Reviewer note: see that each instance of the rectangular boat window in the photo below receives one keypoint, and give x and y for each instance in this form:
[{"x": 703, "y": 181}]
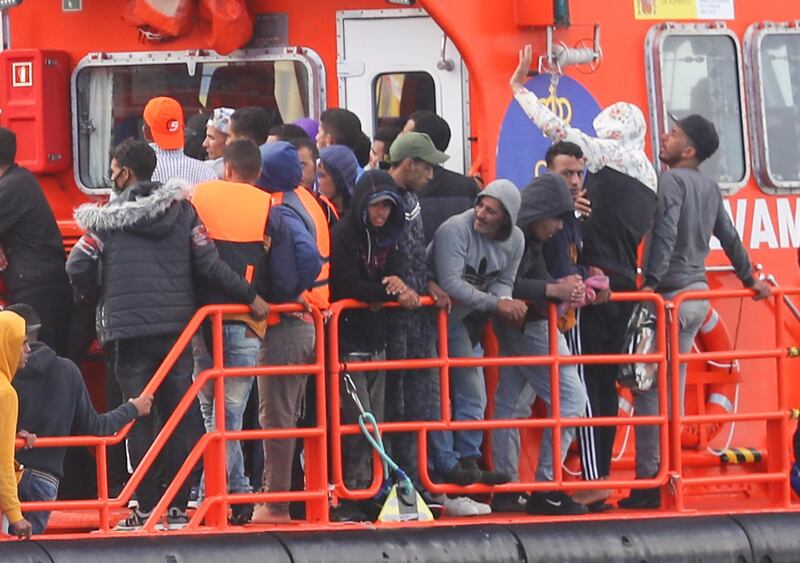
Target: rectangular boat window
[
  {"x": 774, "y": 80},
  {"x": 698, "y": 70},
  {"x": 397, "y": 95},
  {"x": 111, "y": 93}
]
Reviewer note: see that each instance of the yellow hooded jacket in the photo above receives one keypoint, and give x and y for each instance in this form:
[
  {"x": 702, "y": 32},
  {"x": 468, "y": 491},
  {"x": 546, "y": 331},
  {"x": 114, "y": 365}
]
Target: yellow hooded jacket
[{"x": 12, "y": 337}]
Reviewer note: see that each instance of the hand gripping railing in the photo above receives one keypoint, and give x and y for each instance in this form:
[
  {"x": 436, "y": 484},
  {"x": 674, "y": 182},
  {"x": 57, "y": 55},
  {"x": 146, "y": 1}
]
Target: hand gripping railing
[
  {"x": 443, "y": 363},
  {"x": 214, "y": 507}
]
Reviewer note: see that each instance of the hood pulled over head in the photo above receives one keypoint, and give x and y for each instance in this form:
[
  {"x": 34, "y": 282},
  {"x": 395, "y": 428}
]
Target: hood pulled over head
[
  {"x": 280, "y": 167},
  {"x": 623, "y": 122},
  {"x": 508, "y": 195},
  {"x": 12, "y": 337},
  {"x": 546, "y": 196},
  {"x": 373, "y": 186}
]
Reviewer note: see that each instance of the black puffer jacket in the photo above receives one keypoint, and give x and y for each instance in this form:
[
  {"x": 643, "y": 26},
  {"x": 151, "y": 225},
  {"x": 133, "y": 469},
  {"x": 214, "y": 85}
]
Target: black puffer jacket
[
  {"x": 139, "y": 258},
  {"x": 362, "y": 256}
]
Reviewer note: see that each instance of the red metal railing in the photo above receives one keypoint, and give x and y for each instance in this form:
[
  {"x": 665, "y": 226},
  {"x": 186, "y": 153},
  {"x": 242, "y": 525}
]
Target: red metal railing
[
  {"x": 443, "y": 363},
  {"x": 211, "y": 447}
]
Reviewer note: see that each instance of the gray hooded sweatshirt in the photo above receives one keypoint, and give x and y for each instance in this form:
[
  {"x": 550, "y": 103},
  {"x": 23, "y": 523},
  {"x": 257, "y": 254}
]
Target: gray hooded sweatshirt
[{"x": 473, "y": 270}]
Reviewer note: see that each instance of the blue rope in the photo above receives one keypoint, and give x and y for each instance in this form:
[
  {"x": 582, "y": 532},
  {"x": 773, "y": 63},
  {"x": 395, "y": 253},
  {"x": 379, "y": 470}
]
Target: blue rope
[{"x": 376, "y": 441}]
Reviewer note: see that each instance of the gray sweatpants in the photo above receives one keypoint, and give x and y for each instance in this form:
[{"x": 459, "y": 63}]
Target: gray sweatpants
[{"x": 648, "y": 454}]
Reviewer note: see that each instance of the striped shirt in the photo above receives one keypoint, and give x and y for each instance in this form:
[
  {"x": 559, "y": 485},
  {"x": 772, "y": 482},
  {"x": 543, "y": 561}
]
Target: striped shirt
[{"x": 174, "y": 164}]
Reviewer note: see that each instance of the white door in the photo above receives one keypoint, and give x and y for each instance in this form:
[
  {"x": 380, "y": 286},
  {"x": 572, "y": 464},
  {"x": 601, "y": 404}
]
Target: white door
[{"x": 390, "y": 62}]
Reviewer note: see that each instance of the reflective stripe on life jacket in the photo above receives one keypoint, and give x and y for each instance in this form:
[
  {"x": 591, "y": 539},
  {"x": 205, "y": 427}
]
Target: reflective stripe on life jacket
[{"x": 306, "y": 205}]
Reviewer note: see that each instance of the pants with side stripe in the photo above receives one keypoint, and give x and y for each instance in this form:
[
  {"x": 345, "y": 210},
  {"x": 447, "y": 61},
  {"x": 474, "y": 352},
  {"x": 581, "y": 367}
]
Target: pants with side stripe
[{"x": 600, "y": 330}]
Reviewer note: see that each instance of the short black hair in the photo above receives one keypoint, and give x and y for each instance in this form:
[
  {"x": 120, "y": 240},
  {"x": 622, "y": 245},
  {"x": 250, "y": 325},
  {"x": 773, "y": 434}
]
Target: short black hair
[
  {"x": 562, "y": 147},
  {"x": 194, "y": 135},
  {"x": 29, "y": 314},
  {"x": 287, "y": 131},
  {"x": 433, "y": 126},
  {"x": 387, "y": 134},
  {"x": 244, "y": 157},
  {"x": 305, "y": 143},
  {"x": 343, "y": 125},
  {"x": 361, "y": 150},
  {"x": 252, "y": 122},
  {"x": 136, "y": 155},
  {"x": 8, "y": 147}
]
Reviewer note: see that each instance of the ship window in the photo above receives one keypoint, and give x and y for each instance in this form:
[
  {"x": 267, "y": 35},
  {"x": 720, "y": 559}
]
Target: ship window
[
  {"x": 698, "y": 70},
  {"x": 774, "y": 50},
  {"x": 112, "y": 91},
  {"x": 397, "y": 95}
]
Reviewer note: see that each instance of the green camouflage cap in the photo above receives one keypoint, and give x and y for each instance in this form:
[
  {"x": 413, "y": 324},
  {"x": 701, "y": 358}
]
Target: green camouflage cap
[{"x": 415, "y": 145}]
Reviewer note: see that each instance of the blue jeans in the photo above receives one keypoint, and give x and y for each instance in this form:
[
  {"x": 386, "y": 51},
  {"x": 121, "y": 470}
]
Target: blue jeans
[
  {"x": 240, "y": 347},
  {"x": 37, "y": 486},
  {"x": 468, "y": 402},
  {"x": 533, "y": 341}
]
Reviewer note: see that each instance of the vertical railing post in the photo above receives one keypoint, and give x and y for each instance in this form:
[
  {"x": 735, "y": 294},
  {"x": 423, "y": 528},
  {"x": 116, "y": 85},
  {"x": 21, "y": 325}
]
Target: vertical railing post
[
  {"x": 214, "y": 461},
  {"x": 778, "y": 430},
  {"x": 555, "y": 391},
  {"x": 317, "y": 477}
]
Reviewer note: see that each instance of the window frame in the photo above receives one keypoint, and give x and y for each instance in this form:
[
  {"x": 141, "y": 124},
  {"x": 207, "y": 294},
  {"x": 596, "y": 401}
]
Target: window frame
[
  {"x": 654, "y": 67},
  {"x": 757, "y": 111},
  {"x": 309, "y": 58},
  {"x": 373, "y": 89}
]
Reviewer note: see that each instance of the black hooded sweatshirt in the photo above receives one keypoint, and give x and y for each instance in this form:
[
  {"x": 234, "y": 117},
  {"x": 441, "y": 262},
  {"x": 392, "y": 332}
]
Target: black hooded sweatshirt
[
  {"x": 361, "y": 257},
  {"x": 547, "y": 196},
  {"x": 53, "y": 401}
]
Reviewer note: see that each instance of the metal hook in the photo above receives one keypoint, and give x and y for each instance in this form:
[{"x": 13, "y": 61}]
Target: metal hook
[{"x": 445, "y": 63}]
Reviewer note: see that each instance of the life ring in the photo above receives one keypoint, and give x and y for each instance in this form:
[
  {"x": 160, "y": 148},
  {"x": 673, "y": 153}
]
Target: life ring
[{"x": 720, "y": 396}]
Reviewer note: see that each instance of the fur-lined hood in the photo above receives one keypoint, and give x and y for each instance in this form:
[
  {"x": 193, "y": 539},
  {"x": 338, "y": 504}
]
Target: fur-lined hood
[{"x": 146, "y": 208}]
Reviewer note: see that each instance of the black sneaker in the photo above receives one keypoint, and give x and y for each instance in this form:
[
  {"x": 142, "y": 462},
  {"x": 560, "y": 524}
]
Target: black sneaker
[
  {"x": 133, "y": 522},
  {"x": 642, "y": 499},
  {"x": 463, "y": 476},
  {"x": 554, "y": 503},
  {"x": 486, "y": 477},
  {"x": 241, "y": 514},
  {"x": 509, "y": 502}
]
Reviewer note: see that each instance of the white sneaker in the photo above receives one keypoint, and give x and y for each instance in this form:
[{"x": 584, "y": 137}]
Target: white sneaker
[{"x": 465, "y": 506}]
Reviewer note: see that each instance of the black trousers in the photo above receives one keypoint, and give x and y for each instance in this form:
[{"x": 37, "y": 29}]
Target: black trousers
[
  {"x": 133, "y": 362},
  {"x": 602, "y": 331}
]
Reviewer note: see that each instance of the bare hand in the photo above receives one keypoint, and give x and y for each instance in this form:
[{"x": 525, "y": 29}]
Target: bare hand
[
  {"x": 583, "y": 205},
  {"x": 762, "y": 289},
  {"x": 259, "y": 309},
  {"x": 143, "y": 404},
  {"x": 567, "y": 289},
  {"x": 3, "y": 259},
  {"x": 409, "y": 299},
  {"x": 512, "y": 310},
  {"x": 646, "y": 289},
  {"x": 22, "y": 529},
  {"x": 30, "y": 439},
  {"x": 442, "y": 299},
  {"x": 602, "y": 296},
  {"x": 521, "y": 73},
  {"x": 393, "y": 285}
]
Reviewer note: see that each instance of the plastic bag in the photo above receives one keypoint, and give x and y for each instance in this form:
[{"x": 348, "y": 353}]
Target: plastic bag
[
  {"x": 162, "y": 18},
  {"x": 640, "y": 338},
  {"x": 229, "y": 26}
]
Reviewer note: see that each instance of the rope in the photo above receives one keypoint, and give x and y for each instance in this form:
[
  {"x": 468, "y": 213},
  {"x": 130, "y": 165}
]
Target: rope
[{"x": 376, "y": 441}]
